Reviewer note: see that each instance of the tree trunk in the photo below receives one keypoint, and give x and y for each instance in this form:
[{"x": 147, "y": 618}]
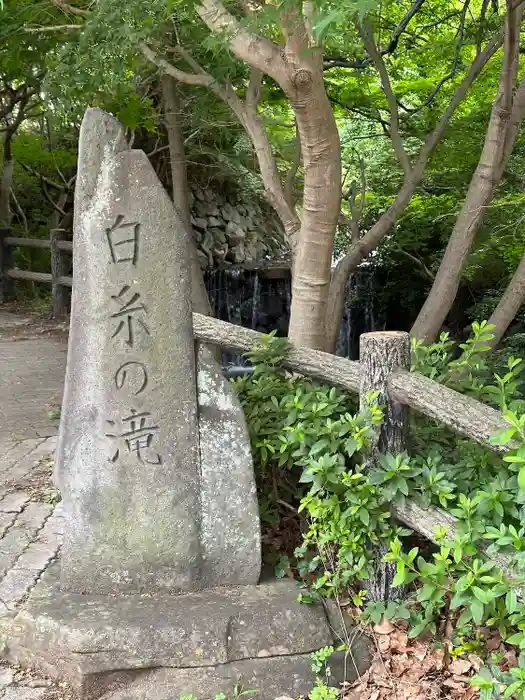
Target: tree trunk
[
  {"x": 6, "y": 181},
  {"x": 180, "y": 188},
  {"x": 321, "y": 207},
  {"x": 499, "y": 141},
  {"x": 359, "y": 251},
  {"x": 362, "y": 248},
  {"x": 509, "y": 304}
]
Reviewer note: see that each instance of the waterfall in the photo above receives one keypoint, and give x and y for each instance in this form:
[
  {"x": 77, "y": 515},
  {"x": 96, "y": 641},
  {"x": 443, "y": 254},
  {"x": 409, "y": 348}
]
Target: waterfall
[{"x": 260, "y": 299}]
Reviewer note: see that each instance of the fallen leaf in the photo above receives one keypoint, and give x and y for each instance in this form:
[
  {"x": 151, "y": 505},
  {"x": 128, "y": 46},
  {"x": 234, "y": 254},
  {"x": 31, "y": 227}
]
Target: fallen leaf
[
  {"x": 461, "y": 679},
  {"x": 383, "y": 643},
  {"x": 410, "y": 691},
  {"x": 493, "y": 642},
  {"x": 476, "y": 661},
  {"x": 420, "y": 651},
  {"x": 384, "y": 627},
  {"x": 460, "y": 666},
  {"x": 451, "y": 683},
  {"x": 399, "y": 641}
]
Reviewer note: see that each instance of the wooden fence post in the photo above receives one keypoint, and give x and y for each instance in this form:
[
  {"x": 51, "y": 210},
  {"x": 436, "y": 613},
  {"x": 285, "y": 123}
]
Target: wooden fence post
[
  {"x": 58, "y": 269},
  {"x": 380, "y": 354},
  {"x": 6, "y": 263}
]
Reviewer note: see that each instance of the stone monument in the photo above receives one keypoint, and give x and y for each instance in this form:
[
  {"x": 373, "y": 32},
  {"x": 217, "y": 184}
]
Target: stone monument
[{"x": 159, "y": 593}]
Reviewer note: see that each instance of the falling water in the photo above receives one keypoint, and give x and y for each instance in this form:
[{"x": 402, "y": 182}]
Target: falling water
[{"x": 262, "y": 302}]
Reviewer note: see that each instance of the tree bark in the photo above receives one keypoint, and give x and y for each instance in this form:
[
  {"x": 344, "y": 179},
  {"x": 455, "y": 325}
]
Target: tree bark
[
  {"x": 181, "y": 190},
  {"x": 6, "y": 182},
  {"x": 381, "y": 354},
  {"x": 499, "y": 141},
  {"x": 321, "y": 207},
  {"x": 509, "y": 304}
]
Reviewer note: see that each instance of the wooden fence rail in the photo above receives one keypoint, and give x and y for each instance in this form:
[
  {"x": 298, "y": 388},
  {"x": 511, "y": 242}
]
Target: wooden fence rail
[{"x": 60, "y": 249}]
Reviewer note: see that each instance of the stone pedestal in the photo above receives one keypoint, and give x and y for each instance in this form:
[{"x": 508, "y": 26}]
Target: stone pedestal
[{"x": 161, "y": 647}]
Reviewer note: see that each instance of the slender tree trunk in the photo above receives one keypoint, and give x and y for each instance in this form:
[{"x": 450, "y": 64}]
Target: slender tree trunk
[
  {"x": 6, "y": 181},
  {"x": 321, "y": 208},
  {"x": 509, "y": 304},
  {"x": 180, "y": 188},
  {"x": 359, "y": 252},
  {"x": 499, "y": 141}
]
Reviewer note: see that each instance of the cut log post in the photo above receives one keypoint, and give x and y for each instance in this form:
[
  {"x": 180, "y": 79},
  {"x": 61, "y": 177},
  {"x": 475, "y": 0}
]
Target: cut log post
[
  {"x": 59, "y": 269},
  {"x": 380, "y": 354},
  {"x": 6, "y": 262}
]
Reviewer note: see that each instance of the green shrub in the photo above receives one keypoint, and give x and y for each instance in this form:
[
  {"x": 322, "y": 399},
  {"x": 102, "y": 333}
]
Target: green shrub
[{"x": 312, "y": 447}]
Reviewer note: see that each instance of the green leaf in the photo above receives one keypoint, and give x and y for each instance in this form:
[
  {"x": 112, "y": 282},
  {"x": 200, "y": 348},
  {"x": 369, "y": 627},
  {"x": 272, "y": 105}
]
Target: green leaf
[
  {"x": 512, "y": 689},
  {"x": 477, "y": 610},
  {"x": 484, "y": 597},
  {"x": 511, "y": 601},
  {"x": 364, "y": 7},
  {"x": 521, "y": 478},
  {"x": 503, "y": 437},
  {"x": 322, "y": 26}
]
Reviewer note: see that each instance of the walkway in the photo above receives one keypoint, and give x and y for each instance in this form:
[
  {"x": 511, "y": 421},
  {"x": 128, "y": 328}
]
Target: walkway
[{"x": 32, "y": 364}]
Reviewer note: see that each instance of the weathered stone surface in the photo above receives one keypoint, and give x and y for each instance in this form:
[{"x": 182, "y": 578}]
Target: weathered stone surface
[
  {"x": 270, "y": 677},
  {"x": 14, "y": 502},
  {"x": 6, "y": 677},
  {"x": 86, "y": 637},
  {"x": 127, "y": 458},
  {"x": 21, "y": 692},
  {"x": 230, "y": 529}
]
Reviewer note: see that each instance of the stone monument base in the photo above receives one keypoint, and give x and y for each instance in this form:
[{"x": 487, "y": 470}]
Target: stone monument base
[{"x": 137, "y": 647}]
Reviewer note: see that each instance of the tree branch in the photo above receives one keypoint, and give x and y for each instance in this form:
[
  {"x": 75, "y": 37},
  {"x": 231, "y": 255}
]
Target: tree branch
[
  {"x": 54, "y": 28},
  {"x": 50, "y": 199},
  {"x": 43, "y": 178},
  {"x": 205, "y": 80},
  {"x": 424, "y": 269},
  {"x": 255, "y": 50},
  {"x": 19, "y": 211},
  {"x": 70, "y": 9},
  {"x": 248, "y": 118},
  {"x": 253, "y": 94},
  {"x": 360, "y": 250},
  {"x": 401, "y": 27},
  {"x": 397, "y": 140},
  {"x": 453, "y": 69}
]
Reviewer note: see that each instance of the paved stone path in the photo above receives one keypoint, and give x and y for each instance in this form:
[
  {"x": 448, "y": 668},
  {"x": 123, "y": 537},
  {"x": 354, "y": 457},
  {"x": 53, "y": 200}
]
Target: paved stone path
[
  {"x": 32, "y": 366},
  {"x": 32, "y": 363}
]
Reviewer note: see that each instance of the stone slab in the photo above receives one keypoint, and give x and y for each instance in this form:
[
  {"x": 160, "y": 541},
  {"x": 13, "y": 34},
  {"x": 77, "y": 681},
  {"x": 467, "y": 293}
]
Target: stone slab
[
  {"x": 285, "y": 675},
  {"x": 92, "y": 640},
  {"x": 101, "y": 634},
  {"x": 127, "y": 456},
  {"x": 230, "y": 527}
]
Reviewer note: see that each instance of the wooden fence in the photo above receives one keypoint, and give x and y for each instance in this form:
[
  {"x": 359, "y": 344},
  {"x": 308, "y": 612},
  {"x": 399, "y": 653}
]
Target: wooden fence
[
  {"x": 60, "y": 249},
  {"x": 383, "y": 367}
]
